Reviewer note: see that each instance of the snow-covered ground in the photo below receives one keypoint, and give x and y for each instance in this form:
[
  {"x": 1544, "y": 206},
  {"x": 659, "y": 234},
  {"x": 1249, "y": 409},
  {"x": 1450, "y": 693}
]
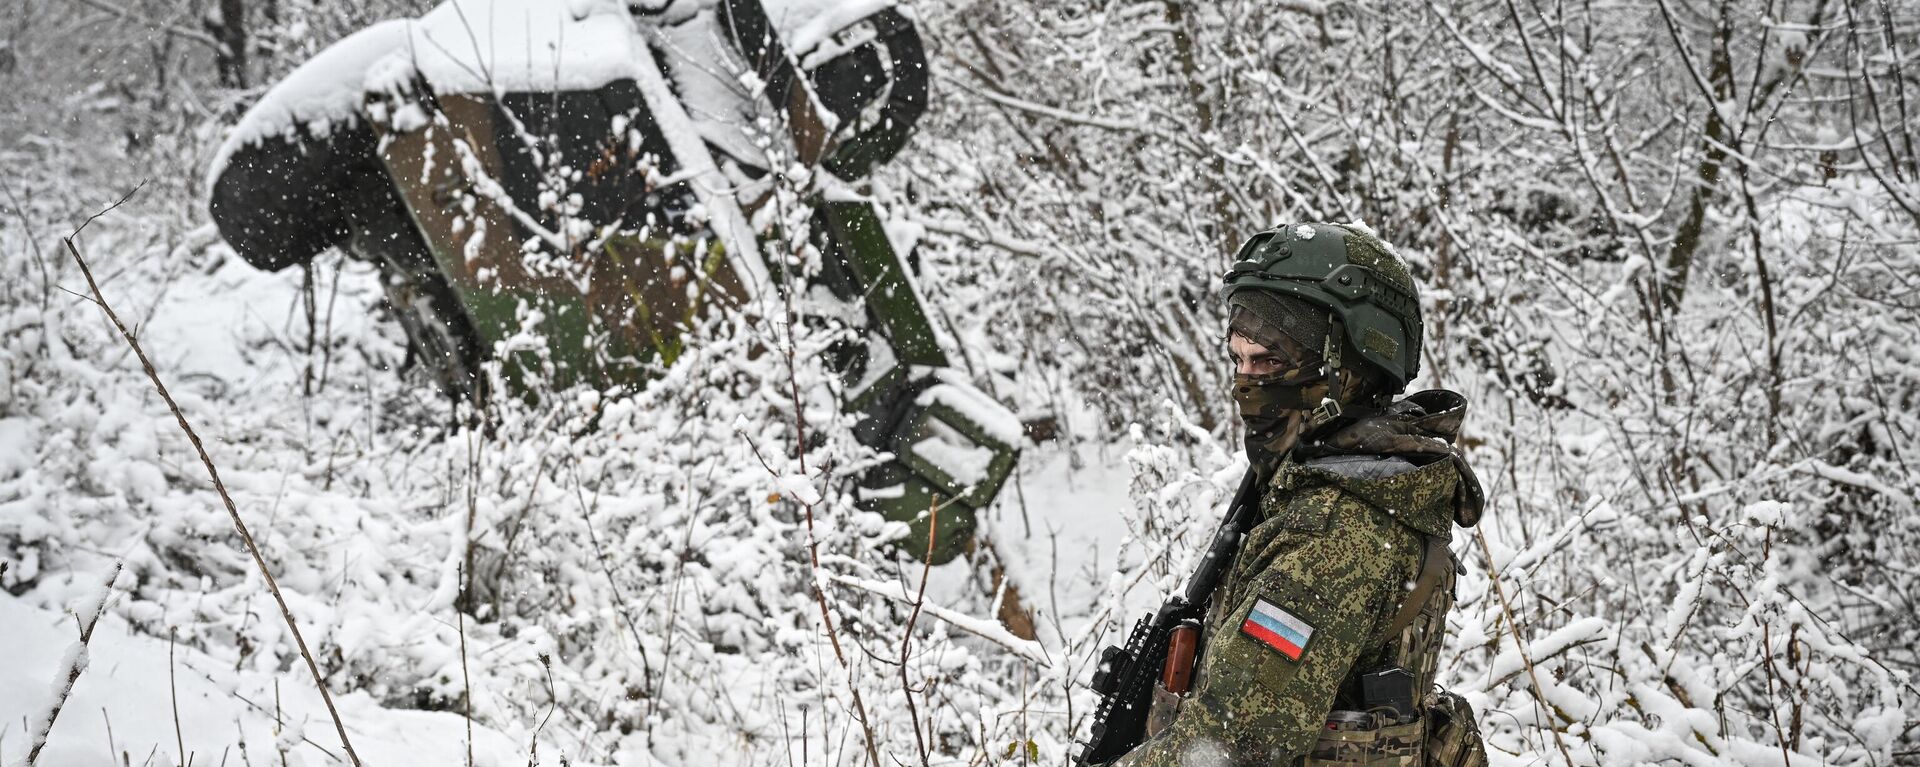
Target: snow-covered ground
[
  {"x": 137, "y": 683},
  {"x": 143, "y": 700}
]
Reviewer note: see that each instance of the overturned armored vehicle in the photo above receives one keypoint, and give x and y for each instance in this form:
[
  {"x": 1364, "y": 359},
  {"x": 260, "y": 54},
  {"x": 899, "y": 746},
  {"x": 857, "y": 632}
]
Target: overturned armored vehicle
[{"x": 595, "y": 168}]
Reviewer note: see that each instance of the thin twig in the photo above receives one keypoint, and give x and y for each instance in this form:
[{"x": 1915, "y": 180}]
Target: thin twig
[
  {"x": 167, "y": 27},
  {"x": 466, "y": 580},
  {"x": 39, "y": 259},
  {"x": 990, "y": 630},
  {"x": 620, "y": 602},
  {"x": 262, "y": 710},
  {"x": 791, "y": 353},
  {"x": 826, "y": 617},
  {"x": 466, "y": 681},
  {"x": 279, "y": 723},
  {"x": 906, "y": 637},
  {"x": 112, "y": 747},
  {"x": 680, "y": 558},
  {"x": 553, "y": 702},
  {"x": 75, "y": 665},
  {"x": 233, "y": 511}
]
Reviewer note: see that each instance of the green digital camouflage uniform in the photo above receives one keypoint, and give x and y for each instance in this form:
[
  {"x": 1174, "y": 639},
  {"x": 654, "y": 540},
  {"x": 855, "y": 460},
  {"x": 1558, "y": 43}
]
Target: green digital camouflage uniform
[
  {"x": 1360, "y": 496},
  {"x": 1339, "y": 542}
]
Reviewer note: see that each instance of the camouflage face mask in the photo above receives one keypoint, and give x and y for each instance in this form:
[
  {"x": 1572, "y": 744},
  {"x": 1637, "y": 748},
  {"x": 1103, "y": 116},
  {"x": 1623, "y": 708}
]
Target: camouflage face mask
[
  {"x": 1273, "y": 406},
  {"x": 1298, "y": 388}
]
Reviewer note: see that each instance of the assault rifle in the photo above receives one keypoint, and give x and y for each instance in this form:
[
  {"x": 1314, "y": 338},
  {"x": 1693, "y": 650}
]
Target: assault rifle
[{"x": 1126, "y": 674}]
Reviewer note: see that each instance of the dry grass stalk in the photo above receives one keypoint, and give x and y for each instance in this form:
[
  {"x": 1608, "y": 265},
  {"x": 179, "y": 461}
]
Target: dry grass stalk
[
  {"x": 173, "y": 697},
  {"x": 906, "y": 637}
]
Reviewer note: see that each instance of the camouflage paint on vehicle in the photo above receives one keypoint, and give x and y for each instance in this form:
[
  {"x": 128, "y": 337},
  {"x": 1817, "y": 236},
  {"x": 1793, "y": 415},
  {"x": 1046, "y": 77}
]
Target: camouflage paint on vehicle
[
  {"x": 605, "y": 309},
  {"x": 887, "y": 390}
]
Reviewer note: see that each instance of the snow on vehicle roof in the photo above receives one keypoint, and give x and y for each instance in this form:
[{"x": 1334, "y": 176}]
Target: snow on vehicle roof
[
  {"x": 804, "y": 24},
  {"x": 707, "y": 76},
  {"x": 325, "y": 90},
  {"x": 492, "y": 46},
  {"x": 498, "y": 46},
  {"x": 506, "y": 46}
]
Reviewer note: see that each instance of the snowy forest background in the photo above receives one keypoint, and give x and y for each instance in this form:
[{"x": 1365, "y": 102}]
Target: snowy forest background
[{"x": 1671, "y": 250}]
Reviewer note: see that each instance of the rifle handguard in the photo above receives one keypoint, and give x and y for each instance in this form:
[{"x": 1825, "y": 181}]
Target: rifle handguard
[{"x": 1182, "y": 646}]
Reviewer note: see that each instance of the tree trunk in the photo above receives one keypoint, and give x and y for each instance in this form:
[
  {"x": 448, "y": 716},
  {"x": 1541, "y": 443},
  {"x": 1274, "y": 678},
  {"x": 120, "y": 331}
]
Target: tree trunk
[
  {"x": 1179, "y": 17},
  {"x": 1715, "y": 138},
  {"x": 230, "y": 28}
]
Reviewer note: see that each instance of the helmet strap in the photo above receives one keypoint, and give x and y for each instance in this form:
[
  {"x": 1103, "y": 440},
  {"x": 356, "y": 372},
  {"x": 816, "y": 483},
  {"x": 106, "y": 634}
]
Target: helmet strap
[
  {"x": 1329, "y": 407},
  {"x": 1331, "y": 414}
]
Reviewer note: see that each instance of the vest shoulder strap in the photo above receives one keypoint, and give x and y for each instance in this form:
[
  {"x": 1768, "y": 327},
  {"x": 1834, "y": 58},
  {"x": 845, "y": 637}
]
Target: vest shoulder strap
[{"x": 1433, "y": 563}]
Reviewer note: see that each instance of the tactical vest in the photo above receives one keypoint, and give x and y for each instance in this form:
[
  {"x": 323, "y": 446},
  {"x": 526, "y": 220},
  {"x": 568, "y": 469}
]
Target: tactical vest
[{"x": 1445, "y": 733}]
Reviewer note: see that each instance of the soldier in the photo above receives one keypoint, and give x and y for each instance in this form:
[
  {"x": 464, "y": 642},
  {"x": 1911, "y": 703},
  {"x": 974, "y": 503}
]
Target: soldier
[{"x": 1321, "y": 642}]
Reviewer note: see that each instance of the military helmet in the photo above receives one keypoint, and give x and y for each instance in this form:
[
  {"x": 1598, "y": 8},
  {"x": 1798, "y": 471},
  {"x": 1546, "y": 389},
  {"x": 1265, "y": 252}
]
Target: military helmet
[{"x": 1363, "y": 284}]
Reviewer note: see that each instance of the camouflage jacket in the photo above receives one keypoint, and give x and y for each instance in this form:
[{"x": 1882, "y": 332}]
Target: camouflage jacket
[{"x": 1315, "y": 587}]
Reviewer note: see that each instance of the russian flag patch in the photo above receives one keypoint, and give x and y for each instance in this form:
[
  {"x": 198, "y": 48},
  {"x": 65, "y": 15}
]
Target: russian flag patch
[{"x": 1277, "y": 628}]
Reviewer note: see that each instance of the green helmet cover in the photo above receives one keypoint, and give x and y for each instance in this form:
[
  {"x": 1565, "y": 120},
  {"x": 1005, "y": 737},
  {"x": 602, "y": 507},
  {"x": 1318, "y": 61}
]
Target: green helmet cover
[{"x": 1351, "y": 273}]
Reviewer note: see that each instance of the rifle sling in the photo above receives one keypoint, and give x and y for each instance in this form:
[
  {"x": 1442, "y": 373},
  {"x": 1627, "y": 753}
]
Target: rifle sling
[{"x": 1433, "y": 563}]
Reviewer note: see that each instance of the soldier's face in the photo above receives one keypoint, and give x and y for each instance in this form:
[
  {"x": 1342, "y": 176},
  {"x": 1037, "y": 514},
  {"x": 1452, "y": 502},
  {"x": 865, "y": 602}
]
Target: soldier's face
[{"x": 1252, "y": 359}]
